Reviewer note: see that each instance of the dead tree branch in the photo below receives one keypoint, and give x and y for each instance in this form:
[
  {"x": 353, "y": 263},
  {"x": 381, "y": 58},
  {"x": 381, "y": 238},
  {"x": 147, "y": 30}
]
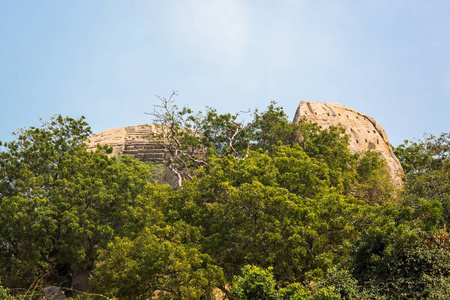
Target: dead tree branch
[{"x": 185, "y": 144}]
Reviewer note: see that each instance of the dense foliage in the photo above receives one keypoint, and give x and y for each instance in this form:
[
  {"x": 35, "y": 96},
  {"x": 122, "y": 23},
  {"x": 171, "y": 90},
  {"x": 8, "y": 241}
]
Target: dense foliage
[
  {"x": 264, "y": 210},
  {"x": 60, "y": 203}
]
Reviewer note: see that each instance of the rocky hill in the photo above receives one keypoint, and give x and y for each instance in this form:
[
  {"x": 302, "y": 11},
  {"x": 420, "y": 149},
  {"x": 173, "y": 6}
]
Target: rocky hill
[
  {"x": 365, "y": 132},
  {"x": 142, "y": 142}
]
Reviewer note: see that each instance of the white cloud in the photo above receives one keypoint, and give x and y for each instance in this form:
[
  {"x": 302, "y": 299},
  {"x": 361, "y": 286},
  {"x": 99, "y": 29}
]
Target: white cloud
[{"x": 206, "y": 28}]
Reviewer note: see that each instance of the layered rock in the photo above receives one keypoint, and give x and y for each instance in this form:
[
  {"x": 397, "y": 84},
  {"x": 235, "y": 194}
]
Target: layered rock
[
  {"x": 365, "y": 132},
  {"x": 140, "y": 142}
]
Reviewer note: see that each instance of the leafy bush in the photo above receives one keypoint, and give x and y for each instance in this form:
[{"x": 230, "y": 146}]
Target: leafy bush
[
  {"x": 60, "y": 203},
  {"x": 255, "y": 283},
  {"x": 157, "y": 262},
  {"x": 4, "y": 293}
]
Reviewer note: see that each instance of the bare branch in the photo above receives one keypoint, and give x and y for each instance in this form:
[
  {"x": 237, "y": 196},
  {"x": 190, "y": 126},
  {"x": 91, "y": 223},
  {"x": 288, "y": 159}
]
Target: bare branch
[{"x": 180, "y": 132}]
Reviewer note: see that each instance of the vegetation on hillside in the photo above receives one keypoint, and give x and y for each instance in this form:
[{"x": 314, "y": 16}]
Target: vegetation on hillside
[{"x": 264, "y": 210}]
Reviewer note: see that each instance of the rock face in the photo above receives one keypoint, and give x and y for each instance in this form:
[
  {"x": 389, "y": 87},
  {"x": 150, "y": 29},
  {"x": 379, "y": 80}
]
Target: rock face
[
  {"x": 364, "y": 131},
  {"x": 53, "y": 293},
  {"x": 140, "y": 142}
]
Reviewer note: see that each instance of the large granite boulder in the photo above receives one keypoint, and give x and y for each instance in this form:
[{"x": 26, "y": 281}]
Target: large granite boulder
[
  {"x": 365, "y": 132},
  {"x": 53, "y": 293},
  {"x": 141, "y": 142}
]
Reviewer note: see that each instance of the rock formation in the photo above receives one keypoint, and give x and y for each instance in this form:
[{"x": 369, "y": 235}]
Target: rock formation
[
  {"x": 140, "y": 141},
  {"x": 364, "y": 131},
  {"x": 53, "y": 293}
]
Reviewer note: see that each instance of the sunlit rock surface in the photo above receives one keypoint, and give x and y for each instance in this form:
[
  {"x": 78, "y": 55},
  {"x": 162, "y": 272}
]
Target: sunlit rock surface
[
  {"x": 141, "y": 142},
  {"x": 365, "y": 132}
]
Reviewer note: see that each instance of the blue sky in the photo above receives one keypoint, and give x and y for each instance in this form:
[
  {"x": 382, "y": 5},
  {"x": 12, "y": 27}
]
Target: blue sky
[{"x": 107, "y": 60}]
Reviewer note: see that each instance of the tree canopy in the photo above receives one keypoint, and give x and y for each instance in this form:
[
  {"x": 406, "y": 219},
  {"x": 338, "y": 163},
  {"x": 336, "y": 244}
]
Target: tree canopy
[
  {"x": 60, "y": 203},
  {"x": 265, "y": 209}
]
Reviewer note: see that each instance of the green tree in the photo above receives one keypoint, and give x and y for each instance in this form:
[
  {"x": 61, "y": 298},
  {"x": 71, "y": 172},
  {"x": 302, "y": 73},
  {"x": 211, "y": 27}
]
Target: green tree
[
  {"x": 4, "y": 293},
  {"x": 159, "y": 262},
  {"x": 279, "y": 212},
  {"x": 430, "y": 154},
  {"x": 271, "y": 127},
  {"x": 60, "y": 203},
  {"x": 194, "y": 138},
  {"x": 340, "y": 283},
  {"x": 266, "y": 193},
  {"x": 254, "y": 284},
  {"x": 400, "y": 262},
  {"x": 374, "y": 182},
  {"x": 269, "y": 189},
  {"x": 258, "y": 283},
  {"x": 427, "y": 167},
  {"x": 404, "y": 253}
]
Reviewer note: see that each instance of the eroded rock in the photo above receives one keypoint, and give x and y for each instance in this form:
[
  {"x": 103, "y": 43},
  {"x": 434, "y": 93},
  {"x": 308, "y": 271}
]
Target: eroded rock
[
  {"x": 53, "y": 293},
  {"x": 365, "y": 132},
  {"x": 141, "y": 142}
]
